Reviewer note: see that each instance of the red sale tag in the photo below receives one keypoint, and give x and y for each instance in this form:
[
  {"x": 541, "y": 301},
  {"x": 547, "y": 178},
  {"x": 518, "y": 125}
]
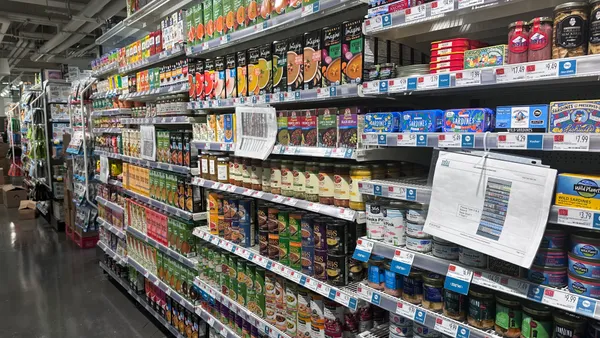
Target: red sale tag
[
  {"x": 559, "y": 138},
  {"x": 563, "y": 212},
  {"x": 531, "y": 68},
  {"x": 500, "y": 71},
  {"x": 459, "y": 75},
  {"x": 502, "y": 138}
]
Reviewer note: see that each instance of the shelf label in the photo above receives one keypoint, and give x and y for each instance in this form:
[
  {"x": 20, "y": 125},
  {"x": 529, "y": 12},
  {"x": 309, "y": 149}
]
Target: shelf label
[
  {"x": 433, "y": 81},
  {"x": 449, "y": 141},
  {"x": 420, "y": 316},
  {"x": 225, "y": 39},
  {"x": 407, "y": 140},
  {"x": 290, "y": 201},
  {"x": 560, "y": 299},
  {"x": 324, "y": 92},
  {"x": 311, "y": 284},
  {"x": 512, "y": 141},
  {"x": 572, "y": 142},
  {"x": 510, "y": 73},
  {"x": 501, "y": 283},
  {"x": 295, "y": 276},
  {"x": 342, "y": 298},
  {"x": 363, "y": 250},
  {"x": 579, "y": 218},
  {"x": 458, "y": 279},
  {"x": 542, "y": 70},
  {"x": 378, "y": 23},
  {"x": 383, "y": 86},
  {"x": 406, "y": 310},
  {"x": 441, "y": 7},
  {"x": 310, "y": 9},
  {"x": 316, "y": 207},
  {"x": 397, "y": 85},
  {"x": 469, "y": 3},
  {"x": 370, "y": 139},
  {"x": 402, "y": 262},
  {"x": 415, "y": 13},
  {"x": 468, "y": 78},
  {"x": 446, "y": 327}
]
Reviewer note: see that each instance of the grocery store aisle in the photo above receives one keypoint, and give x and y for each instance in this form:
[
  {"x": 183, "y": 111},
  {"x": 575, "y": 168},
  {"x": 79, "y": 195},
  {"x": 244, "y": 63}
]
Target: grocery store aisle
[{"x": 50, "y": 288}]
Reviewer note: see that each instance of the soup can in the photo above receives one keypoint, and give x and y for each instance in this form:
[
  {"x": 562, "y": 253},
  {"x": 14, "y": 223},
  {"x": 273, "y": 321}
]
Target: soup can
[
  {"x": 337, "y": 270},
  {"x": 307, "y": 234},
  {"x": 337, "y": 238},
  {"x": 307, "y": 260},
  {"x": 321, "y": 265}
]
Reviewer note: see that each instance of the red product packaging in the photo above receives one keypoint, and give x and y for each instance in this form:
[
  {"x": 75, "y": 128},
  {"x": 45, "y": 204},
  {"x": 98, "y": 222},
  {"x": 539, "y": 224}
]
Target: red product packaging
[
  {"x": 460, "y": 42},
  {"x": 446, "y": 64},
  {"x": 446, "y": 51},
  {"x": 158, "y": 42},
  {"x": 458, "y": 56},
  {"x": 446, "y": 70},
  {"x": 152, "y": 43}
]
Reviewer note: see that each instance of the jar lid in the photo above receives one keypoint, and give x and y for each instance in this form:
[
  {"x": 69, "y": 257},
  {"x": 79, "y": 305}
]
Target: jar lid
[
  {"x": 544, "y": 19},
  {"x": 507, "y": 299},
  {"x": 222, "y": 158},
  {"x": 569, "y": 5},
  {"x": 565, "y": 318},
  {"x": 433, "y": 278},
  {"x": 517, "y": 23},
  {"x": 359, "y": 166},
  {"x": 480, "y": 292},
  {"x": 537, "y": 309},
  {"x": 342, "y": 165},
  {"x": 273, "y": 161}
]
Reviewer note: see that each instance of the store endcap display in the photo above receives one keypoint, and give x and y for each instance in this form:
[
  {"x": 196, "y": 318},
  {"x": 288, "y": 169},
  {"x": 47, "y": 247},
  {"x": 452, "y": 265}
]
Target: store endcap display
[{"x": 496, "y": 207}]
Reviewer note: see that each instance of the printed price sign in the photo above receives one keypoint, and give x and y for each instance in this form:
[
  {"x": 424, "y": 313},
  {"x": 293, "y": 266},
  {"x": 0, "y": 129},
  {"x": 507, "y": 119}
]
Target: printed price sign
[
  {"x": 324, "y": 93},
  {"x": 512, "y": 141},
  {"x": 468, "y": 78},
  {"x": 363, "y": 250},
  {"x": 571, "y": 142},
  {"x": 316, "y": 207},
  {"x": 397, "y": 85},
  {"x": 458, "y": 279},
  {"x": 469, "y": 3},
  {"x": 560, "y": 299},
  {"x": 415, "y": 13},
  {"x": 323, "y": 289},
  {"x": 295, "y": 276},
  {"x": 543, "y": 70},
  {"x": 501, "y": 283},
  {"x": 342, "y": 298},
  {"x": 310, "y": 9},
  {"x": 441, "y": 7},
  {"x": 402, "y": 262},
  {"x": 510, "y": 73},
  {"x": 428, "y": 82},
  {"x": 449, "y": 141},
  {"x": 407, "y": 140},
  {"x": 406, "y": 310},
  {"x": 579, "y": 218},
  {"x": 446, "y": 327},
  {"x": 290, "y": 201},
  {"x": 311, "y": 284}
]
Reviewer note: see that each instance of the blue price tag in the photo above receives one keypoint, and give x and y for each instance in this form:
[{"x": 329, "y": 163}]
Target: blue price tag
[
  {"x": 411, "y": 194},
  {"x": 586, "y": 306},
  {"x": 267, "y": 98},
  {"x": 297, "y": 95},
  {"x": 353, "y": 303},
  {"x": 332, "y": 91},
  {"x": 535, "y": 293},
  {"x": 382, "y": 140},
  {"x": 467, "y": 141},
  {"x": 376, "y": 298},
  {"x": 331, "y": 294},
  {"x": 456, "y": 285},
  {"x": 463, "y": 332},
  {"x": 596, "y": 223},
  {"x": 567, "y": 68},
  {"x": 422, "y": 140},
  {"x": 377, "y": 190},
  {"x": 266, "y": 329},
  {"x": 386, "y": 20},
  {"x": 250, "y": 256},
  {"x": 383, "y": 86},
  {"x": 265, "y": 25},
  {"x": 253, "y": 99},
  {"x": 242, "y": 100},
  {"x": 411, "y": 84},
  {"x": 302, "y": 280},
  {"x": 233, "y": 248},
  {"x": 269, "y": 265},
  {"x": 535, "y": 142},
  {"x": 316, "y": 6},
  {"x": 420, "y": 316},
  {"x": 400, "y": 268},
  {"x": 281, "y": 97},
  {"x": 444, "y": 81}
]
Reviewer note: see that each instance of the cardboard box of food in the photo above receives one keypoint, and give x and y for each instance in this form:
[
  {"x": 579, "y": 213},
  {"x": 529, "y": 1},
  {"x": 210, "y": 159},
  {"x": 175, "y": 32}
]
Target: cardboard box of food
[
  {"x": 27, "y": 209},
  {"x": 13, "y": 195}
]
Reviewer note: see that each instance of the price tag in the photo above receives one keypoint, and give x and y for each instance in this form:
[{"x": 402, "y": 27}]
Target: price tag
[
  {"x": 371, "y": 87},
  {"x": 245, "y": 254},
  {"x": 290, "y": 201},
  {"x": 501, "y": 283},
  {"x": 572, "y": 142},
  {"x": 146, "y": 273},
  {"x": 247, "y": 192},
  {"x": 211, "y": 321},
  {"x": 223, "y": 331},
  {"x": 338, "y": 152},
  {"x": 231, "y": 188},
  {"x": 397, "y": 85},
  {"x": 510, "y": 73},
  {"x": 288, "y": 96},
  {"x": 342, "y": 298},
  {"x": 560, "y": 299},
  {"x": 428, "y": 82},
  {"x": 468, "y": 78},
  {"x": 323, "y": 289},
  {"x": 363, "y": 250},
  {"x": 420, "y": 316},
  {"x": 406, "y": 310},
  {"x": 311, "y": 284},
  {"x": 402, "y": 262},
  {"x": 225, "y": 39},
  {"x": 310, "y": 9},
  {"x": 295, "y": 276},
  {"x": 258, "y": 194},
  {"x": 316, "y": 207},
  {"x": 542, "y": 70},
  {"x": 449, "y": 141},
  {"x": 415, "y": 13},
  {"x": 578, "y": 218},
  {"x": 441, "y": 7},
  {"x": 469, "y": 3},
  {"x": 512, "y": 141},
  {"x": 261, "y": 261},
  {"x": 277, "y": 199},
  {"x": 325, "y": 93},
  {"x": 458, "y": 279},
  {"x": 446, "y": 327},
  {"x": 407, "y": 140}
]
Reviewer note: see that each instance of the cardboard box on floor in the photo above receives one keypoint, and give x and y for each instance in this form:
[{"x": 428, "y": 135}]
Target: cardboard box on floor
[
  {"x": 13, "y": 195},
  {"x": 27, "y": 209}
]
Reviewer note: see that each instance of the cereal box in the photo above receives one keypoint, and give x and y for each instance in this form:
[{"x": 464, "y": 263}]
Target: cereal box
[
  {"x": 219, "y": 89},
  {"x": 219, "y": 25},
  {"x": 265, "y": 65},
  {"x": 575, "y": 116},
  {"x": 199, "y": 24},
  {"x": 579, "y": 191},
  {"x": 525, "y": 119},
  {"x": 474, "y": 120},
  {"x": 241, "y": 15},
  {"x": 209, "y": 24},
  {"x": 199, "y": 69},
  {"x": 295, "y": 63},
  {"x": 229, "y": 15},
  {"x": 209, "y": 79},
  {"x": 189, "y": 26},
  {"x": 418, "y": 121},
  {"x": 254, "y": 71}
]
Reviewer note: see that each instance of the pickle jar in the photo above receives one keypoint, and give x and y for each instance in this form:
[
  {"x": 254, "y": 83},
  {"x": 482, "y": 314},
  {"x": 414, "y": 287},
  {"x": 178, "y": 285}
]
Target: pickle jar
[
  {"x": 537, "y": 321},
  {"x": 256, "y": 175},
  {"x": 358, "y": 173},
  {"x": 341, "y": 195},
  {"x": 276, "y": 176},
  {"x": 266, "y": 176},
  {"x": 246, "y": 173},
  {"x": 326, "y": 185},
  {"x": 299, "y": 181},
  {"x": 223, "y": 169},
  {"x": 311, "y": 176},
  {"x": 287, "y": 178}
]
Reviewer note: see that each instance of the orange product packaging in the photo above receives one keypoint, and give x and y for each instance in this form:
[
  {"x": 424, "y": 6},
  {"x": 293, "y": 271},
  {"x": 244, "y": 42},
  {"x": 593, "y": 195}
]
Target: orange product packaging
[
  {"x": 209, "y": 79},
  {"x": 198, "y": 24},
  {"x": 241, "y": 15},
  {"x": 218, "y": 18},
  {"x": 242, "y": 74},
  {"x": 352, "y": 52},
  {"x": 219, "y": 88},
  {"x": 199, "y": 73},
  {"x": 253, "y": 71},
  {"x": 209, "y": 24},
  {"x": 265, "y": 65},
  {"x": 295, "y": 4},
  {"x": 229, "y": 16},
  {"x": 230, "y": 78},
  {"x": 190, "y": 26},
  {"x": 278, "y": 7},
  {"x": 295, "y": 63}
]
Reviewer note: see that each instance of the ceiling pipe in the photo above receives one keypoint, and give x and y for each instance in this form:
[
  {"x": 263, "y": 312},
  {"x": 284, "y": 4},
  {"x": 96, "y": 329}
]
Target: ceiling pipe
[
  {"x": 90, "y": 10},
  {"x": 15, "y": 49},
  {"x": 20, "y": 55},
  {"x": 52, "y": 3},
  {"x": 28, "y": 18},
  {"x": 107, "y": 12},
  {"x": 4, "y": 28}
]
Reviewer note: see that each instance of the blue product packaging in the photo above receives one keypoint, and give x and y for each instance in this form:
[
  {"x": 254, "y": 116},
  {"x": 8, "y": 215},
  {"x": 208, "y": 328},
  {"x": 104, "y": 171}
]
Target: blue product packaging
[
  {"x": 468, "y": 120},
  {"x": 382, "y": 122},
  {"x": 422, "y": 121},
  {"x": 575, "y": 116},
  {"x": 524, "y": 119}
]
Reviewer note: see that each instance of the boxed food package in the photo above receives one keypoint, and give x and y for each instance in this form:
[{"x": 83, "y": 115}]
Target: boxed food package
[
  {"x": 331, "y": 56},
  {"x": 219, "y": 82},
  {"x": 253, "y": 71},
  {"x": 209, "y": 24},
  {"x": 209, "y": 79},
  {"x": 474, "y": 120},
  {"x": 280, "y": 66},
  {"x": 312, "y": 59},
  {"x": 230, "y": 76},
  {"x": 242, "y": 74},
  {"x": 283, "y": 136},
  {"x": 264, "y": 69},
  {"x": 294, "y": 126},
  {"x": 327, "y": 127},
  {"x": 198, "y": 24},
  {"x": 419, "y": 121},
  {"x": 526, "y": 119},
  {"x": 309, "y": 128},
  {"x": 382, "y": 122},
  {"x": 574, "y": 116},
  {"x": 295, "y": 64},
  {"x": 486, "y": 57},
  {"x": 579, "y": 191},
  {"x": 348, "y": 127},
  {"x": 352, "y": 52},
  {"x": 218, "y": 24}
]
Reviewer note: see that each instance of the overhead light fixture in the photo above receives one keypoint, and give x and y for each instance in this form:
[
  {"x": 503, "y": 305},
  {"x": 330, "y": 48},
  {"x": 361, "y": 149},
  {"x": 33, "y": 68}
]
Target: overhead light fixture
[{"x": 4, "y": 67}]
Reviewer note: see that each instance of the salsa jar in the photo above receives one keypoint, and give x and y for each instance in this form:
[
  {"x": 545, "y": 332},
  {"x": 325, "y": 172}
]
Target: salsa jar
[
  {"x": 570, "y": 30},
  {"x": 246, "y": 173},
  {"x": 540, "y": 37},
  {"x": 287, "y": 178},
  {"x": 518, "y": 41},
  {"x": 568, "y": 325},
  {"x": 223, "y": 169},
  {"x": 481, "y": 308},
  {"x": 256, "y": 175},
  {"x": 299, "y": 180},
  {"x": 509, "y": 316},
  {"x": 266, "y": 176},
  {"x": 537, "y": 321},
  {"x": 341, "y": 192},
  {"x": 276, "y": 177},
  {"x": 326, "y": 185},
  {"x": 311, "y": 177},
  {"x": 594, "y": 45},
  {"x": 358, "y": 173}
]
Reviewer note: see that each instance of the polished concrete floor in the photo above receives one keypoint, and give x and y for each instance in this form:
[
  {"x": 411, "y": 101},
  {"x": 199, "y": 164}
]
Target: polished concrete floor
[{"x": 50, "y": 288}]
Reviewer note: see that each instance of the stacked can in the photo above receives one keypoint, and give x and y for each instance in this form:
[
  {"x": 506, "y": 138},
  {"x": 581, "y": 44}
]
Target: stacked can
[
  {"x": 273, "y": 235},
  {"x": 246, "y": 235},
  {"x": 333, "y": 314},
  {"x": 584, "y": 263},
  {"x": 320, "y": 253},
  {"x": 374, "y": 214},
  {"x": 394, "y": 222},
  {"x": 550, "y": 262},
  {"x": 308, "y": 244},
  {"x": 337, "y": 239},
  {"x": 275, "y": 307},
  {"x": 295, "y": 240},
  {"x": 291, "y": 303},
  {"x": 400, "y": 326},
  {"x": 283, "y": 222},
  {"x": 416, "y": 238}
]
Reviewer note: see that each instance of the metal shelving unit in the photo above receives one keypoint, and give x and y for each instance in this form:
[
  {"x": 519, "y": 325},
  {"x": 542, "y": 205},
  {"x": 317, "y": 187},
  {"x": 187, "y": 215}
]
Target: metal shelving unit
[
  {"x": 167, "y": 208},
  {"x": 189, "y": 262},
  {"x": 151, "y": 164}
]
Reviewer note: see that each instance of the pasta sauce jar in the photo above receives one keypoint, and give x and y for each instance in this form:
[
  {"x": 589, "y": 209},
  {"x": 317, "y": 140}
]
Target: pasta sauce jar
[
  {"x": 540, "y": 35},
  {"x": 518, "y": 40}
]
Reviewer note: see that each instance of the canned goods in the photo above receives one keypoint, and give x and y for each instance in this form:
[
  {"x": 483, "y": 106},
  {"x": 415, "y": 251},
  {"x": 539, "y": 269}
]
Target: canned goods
[
  {"x": 304, "y": 303},
  {"x": 303, "y": 329},
  {"x": 320, "y": 232},
  {"x": 232, "y": 269},
  {"x": 295, "y": 225},
  {"x": 337, "y": 270},
  {"x": 245, "y": 210},
  {"x": 246, "y": 235},
  {"x": 356, "y": 270},
  {"x": 375, "y": 225},
  {"x": 550, "y": 258},
  {"x": 270, "y": 286},
  {"x": 333, "y": 314},
  {"x": 291, "y": 298},
  {"x": 262, "y": 214},
  {"x": 399, "y": 320},
  {"x": 472, "y": 258},
  {"x": 424, "y": 331},
  {"x": 417, "y": 216},
  {"x": 317, "y": 318},
  {"x": 400, "y": 331},
  {"x": 250, "y": 290},
  {"x": 295, "y": 255},
  {"x": 308, "y": 238},
  {"x": 394, "y": 224},
  {"x": 320, "y": 265},
  {"x": 263, "y": 243},
  {"x": 553, "y": 238},
  {"x": 415, "y": 230},
  {"x": 274, "y": 247},
  {"x": 444, "y": 249},
  {"x": 259, "y": 288},
  {"x": 419, "y": 244},
  {"x": 272, "y": 223},
  {"x": 555, "y": 277},
  {"x": 308, "y": 257},
  {"x": 337, "y": 238}
]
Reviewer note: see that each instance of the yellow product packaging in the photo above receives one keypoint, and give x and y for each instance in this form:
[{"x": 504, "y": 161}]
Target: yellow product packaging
[
  {"x": 579, "y": 191},
  {"x": 211, "y": 122}
]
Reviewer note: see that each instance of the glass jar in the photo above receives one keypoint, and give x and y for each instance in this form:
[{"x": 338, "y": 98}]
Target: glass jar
[
  {"x": 358, "y": 173},
  {"x": 223, "y": 169},
  {"x": 572, "y": 325},
  {"x": 299, "y": 181},
  {"x": 256, "y": 175},
  {"x": 212, "y": 166},
  {"x": 393, "y": 282},
  {"x": 594, "y": 45},
  {"x": 518, "y": 40},
  {"x": 540, "y": 37},
  {"x": 570, "y": 30},
  {"x": 204, "y": 166},
  {"x": 393, "y": 170},
  {"x": 433, "y": 286},
  {"x": 412, "y": 287},
  {"x": 266, "y": 176},
  {"x": 276, "y": 176},
  {"x": 247, "y": 173},
  {"x": 537, "y": 321},
  {"x": 287, "y": 178},
  {"x": 509, "y": 316},
  {"x": 341, "y": 178},
  {"x": 378, "y": 171},
  {"x": 238, "y": 167},
  {"x": 481, "y": 308},
  {"x": 455, "y": 305},
  {"x": 326, "y": 185},
  {"x": 311, "y": 176},
  {"x": 232, "y": 173},
  {"x": 376, "y": 272}
]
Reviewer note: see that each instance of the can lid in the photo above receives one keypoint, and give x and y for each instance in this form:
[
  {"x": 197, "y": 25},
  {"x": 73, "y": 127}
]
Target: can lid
[
  {"x": 517, "y": 23},
  {"x": 569, "y": 5},
  {"x": 544, "y": 19}
]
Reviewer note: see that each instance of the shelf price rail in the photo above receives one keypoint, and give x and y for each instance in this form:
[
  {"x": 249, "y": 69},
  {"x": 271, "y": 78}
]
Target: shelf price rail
[
  {"x": 329, "y": 210},
  {"x": 165, "y": 207},
  {"x": 111, "y": 205},
  {"x": 558, "y": 298},
  {"x": 120, "y": 259},
  {"x": 342, "y": 296},
  {"x": 254, "y": 320},
  {"x": 189, "y": 262},
  {"x": 150, "y": 164},
  {"x": 119, "y": 232}
]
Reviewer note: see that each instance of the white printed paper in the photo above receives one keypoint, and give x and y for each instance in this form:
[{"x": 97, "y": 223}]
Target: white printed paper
[
  {"x": 104, "y": 169},
  {"x": 148, "y": 142},
  {"x": 496, "y": 207},
  {"x": 256, "y": 129}
]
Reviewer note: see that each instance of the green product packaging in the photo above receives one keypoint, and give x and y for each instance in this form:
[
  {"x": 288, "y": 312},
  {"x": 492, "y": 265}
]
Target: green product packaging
[
  {"x": 232, "y": 268},
  {"x": 241, "y": 14},
  {"x": 209, "y": 25},
  {"x": 189, "y": 26},
  {"x": 226, "y": 286},
  {"x": 241, "y": 278},
  {"x": 283, "y": 223},
  {"x": 199, "y": 24},
  {"x": 228, "y": 16},
  {"x": 259, "y": 290},
  {"x": 284, "y": 250},
  {"x": 219, "y": 26}
]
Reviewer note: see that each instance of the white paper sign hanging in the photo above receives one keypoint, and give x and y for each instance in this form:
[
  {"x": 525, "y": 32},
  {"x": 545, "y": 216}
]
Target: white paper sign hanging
[{"x": 256, "y": 129}]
